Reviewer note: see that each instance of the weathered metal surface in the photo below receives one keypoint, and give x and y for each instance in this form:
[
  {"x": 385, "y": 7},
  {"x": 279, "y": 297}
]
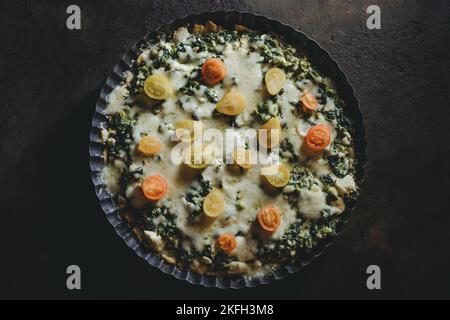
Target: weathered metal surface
[{"x": 50, "y": 80}]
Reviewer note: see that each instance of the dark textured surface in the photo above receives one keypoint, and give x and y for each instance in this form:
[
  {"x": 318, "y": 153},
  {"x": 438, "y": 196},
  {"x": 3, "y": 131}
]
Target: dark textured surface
[{"x": 51, "y": 77}]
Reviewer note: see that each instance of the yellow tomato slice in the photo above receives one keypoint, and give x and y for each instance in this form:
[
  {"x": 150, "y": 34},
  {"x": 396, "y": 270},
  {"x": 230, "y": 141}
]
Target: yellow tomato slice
[
  {"x": 232, "y": 104},
  {"x": 243, "y": 158},
  {"x": 149, "y": 145},
  {"x": 280, "y": 178},
  {"x": 275, "y": 80},
  {"x": 185, "y": 130},
  {"x": 205, "y": 153},
  {"x": 214, "y": 204},
  {"x": 269, "y": 135},
  {"x": 158, "y": 87}
]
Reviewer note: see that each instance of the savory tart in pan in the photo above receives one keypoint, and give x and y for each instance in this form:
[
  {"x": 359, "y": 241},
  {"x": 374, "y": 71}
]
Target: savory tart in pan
[{"x": 277, "y": 192}]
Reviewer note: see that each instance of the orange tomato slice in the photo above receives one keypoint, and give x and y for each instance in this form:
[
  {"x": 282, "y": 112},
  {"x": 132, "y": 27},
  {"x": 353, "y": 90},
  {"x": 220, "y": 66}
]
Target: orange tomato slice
[
  {"x": 226, "y": 242},
  {"x": 318, "y": 138},
  {"x": 154, "y": 187},
  {"x": 309, "y": 102},
  {"x": 269, "y": 218},
  {"x": 213, "y": 71}
]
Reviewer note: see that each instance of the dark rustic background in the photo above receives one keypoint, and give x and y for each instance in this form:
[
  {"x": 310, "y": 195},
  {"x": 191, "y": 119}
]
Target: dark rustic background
[{"x": 50, "y": 79}]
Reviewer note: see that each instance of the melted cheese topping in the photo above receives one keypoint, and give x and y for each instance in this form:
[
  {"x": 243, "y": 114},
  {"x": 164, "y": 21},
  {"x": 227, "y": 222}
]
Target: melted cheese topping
[{"x": 245, "y": 69}]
